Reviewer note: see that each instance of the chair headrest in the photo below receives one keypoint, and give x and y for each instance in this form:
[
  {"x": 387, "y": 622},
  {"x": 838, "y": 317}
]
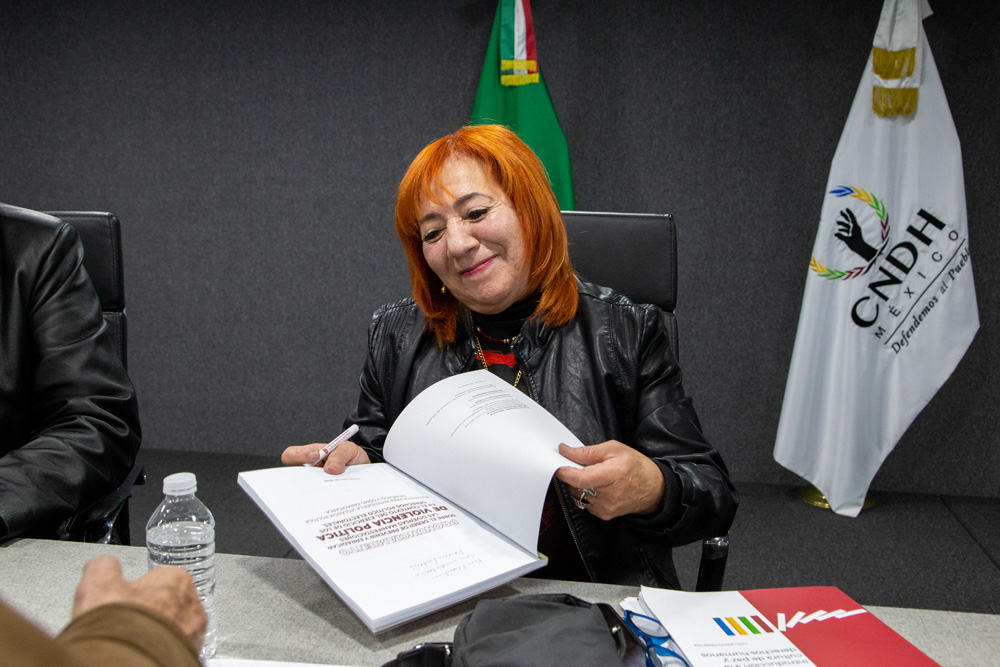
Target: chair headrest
[
  {"x": 101, "y": 236},
  {"x": 632, "y": 253}
]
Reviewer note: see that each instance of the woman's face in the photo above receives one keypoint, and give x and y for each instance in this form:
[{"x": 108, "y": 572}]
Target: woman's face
[{"x": 472, "y": 239}]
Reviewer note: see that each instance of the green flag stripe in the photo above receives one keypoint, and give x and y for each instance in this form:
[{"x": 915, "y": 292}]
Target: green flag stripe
[{"x": 529, "y": 112}]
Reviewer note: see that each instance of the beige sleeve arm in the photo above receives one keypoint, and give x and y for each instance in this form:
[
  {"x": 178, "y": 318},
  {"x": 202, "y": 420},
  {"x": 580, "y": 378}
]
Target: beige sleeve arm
[{"x": 127, "y": 635}]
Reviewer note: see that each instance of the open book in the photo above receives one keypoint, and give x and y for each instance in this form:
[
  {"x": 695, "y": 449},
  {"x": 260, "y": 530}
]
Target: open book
[
  {"x": 816, "y": 626},
  {"x": 453, "y": 513}
]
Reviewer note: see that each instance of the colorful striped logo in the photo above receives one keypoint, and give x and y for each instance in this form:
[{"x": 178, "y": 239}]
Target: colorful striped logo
[
  {"x": 758, "y": 625},
  {"x": 744, "y": 625}
]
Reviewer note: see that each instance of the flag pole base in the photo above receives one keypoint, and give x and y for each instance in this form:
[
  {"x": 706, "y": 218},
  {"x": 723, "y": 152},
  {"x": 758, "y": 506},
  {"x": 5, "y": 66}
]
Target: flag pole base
[{"x": 810, "y": 495}]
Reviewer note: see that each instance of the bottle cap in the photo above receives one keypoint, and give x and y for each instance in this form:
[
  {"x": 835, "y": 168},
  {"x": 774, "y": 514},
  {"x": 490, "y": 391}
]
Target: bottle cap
[{"x": 180, "y": 484}]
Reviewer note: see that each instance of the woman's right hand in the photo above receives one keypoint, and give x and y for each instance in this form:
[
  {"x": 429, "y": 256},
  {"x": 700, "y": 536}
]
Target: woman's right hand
[{"x": 346, "y": 454}]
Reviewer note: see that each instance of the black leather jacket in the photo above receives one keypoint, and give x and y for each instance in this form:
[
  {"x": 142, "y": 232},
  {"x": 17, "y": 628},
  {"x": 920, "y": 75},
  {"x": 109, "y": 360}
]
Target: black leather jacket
[
  {"x": 608, "y": 374},
  {"x": 69, "y": 425}
]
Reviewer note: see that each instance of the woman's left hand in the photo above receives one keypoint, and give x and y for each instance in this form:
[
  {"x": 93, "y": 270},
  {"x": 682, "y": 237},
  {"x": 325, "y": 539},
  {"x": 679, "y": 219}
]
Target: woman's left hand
[{"x": 626, "y": 481}]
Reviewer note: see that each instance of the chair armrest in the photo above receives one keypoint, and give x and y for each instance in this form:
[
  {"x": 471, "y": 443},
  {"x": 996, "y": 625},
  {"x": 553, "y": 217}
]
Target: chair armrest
[
  {"x": 105, "y": 521},
  {"x": 714, "y": 553}
]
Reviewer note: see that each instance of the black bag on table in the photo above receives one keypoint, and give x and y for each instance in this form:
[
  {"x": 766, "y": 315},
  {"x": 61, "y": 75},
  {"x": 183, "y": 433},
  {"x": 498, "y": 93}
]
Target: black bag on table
[{"x": 533, "y": 631}]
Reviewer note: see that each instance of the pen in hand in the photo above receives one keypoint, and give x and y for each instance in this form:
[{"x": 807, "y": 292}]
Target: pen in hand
[{"x": 332, "y": 445}]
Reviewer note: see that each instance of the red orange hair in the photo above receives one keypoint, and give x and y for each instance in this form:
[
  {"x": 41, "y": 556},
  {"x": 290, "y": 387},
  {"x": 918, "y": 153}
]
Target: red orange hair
[{"x": 521, "y": 176}]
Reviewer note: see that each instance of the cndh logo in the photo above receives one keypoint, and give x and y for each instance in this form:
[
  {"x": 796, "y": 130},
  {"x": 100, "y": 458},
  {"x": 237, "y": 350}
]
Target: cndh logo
[
  {"x": 852, "y": 234},
  {"x": 899, "y": 260}
]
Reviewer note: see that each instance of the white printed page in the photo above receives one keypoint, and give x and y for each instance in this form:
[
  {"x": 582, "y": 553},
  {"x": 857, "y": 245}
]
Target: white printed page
[
  {"x": 696, "y": 622},
  {"x": 480, "y": 442},
  {"x": 389, "y": 547}
]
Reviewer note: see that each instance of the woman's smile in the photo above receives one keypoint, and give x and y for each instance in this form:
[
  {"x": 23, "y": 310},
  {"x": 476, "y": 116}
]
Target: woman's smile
[{"x": 478, "y": 268}]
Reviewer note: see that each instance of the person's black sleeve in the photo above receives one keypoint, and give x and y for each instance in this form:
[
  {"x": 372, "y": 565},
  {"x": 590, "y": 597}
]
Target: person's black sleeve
[{"x": 83, "y": 419}]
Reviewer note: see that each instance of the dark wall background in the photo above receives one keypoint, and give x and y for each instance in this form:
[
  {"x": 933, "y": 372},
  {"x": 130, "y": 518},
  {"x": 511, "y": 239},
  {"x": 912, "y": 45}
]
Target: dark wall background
[{"x": 252, "y": 150}]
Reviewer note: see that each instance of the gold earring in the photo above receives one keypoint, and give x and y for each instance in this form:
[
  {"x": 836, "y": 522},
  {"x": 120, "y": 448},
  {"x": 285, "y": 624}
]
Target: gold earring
[{"x": 444, "y": 290}]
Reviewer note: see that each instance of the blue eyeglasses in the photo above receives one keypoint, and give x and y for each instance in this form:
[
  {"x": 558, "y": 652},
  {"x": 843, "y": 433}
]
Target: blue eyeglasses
[{"x": 655, "y": 636}]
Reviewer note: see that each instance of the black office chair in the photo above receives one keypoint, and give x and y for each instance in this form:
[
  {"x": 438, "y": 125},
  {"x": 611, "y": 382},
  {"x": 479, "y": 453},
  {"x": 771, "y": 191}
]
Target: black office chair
[
  {"x": 636, "y": 254},
  {"x": 107, "y": 520}
]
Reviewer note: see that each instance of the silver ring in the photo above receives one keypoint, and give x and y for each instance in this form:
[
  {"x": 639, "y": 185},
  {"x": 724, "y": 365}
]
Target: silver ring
[{"x": 584, "y": 501}]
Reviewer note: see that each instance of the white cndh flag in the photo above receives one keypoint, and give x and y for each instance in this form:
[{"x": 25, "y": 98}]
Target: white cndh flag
[{"x": 889, "y": 306}]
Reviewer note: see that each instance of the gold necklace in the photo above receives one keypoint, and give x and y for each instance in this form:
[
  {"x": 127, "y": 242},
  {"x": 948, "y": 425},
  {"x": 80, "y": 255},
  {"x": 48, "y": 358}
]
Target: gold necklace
[{"x": 482, "y": 358}]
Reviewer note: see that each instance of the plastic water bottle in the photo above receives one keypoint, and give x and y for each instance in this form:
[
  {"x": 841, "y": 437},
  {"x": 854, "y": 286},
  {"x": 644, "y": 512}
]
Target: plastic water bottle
[{"x": 182, "y": 532}]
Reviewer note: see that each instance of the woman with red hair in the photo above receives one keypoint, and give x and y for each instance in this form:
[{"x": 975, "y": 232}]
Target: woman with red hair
[{"x": 493, "y": 288}]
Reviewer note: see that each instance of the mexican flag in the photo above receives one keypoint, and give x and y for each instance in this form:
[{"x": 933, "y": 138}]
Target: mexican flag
[{"x": 512, "y": 92}]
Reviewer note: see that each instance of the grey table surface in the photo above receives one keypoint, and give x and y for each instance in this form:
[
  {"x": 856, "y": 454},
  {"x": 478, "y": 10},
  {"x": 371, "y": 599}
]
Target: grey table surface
[{"x": 280, "y": 609}]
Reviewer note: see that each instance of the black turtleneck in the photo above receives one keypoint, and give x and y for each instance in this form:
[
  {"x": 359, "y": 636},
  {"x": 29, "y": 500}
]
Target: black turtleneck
[
  {"x": 507, "y": 323},
  {"x": 496, "y": 333}
]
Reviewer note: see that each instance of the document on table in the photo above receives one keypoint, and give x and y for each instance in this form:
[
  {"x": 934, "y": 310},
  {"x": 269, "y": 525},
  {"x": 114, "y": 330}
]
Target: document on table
[
  {"x": 453, "y": 512},
  {"x": 805, "y": 626}
]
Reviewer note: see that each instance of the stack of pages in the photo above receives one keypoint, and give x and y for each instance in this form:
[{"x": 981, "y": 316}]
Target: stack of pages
[{"x": 453, "y": 512}]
